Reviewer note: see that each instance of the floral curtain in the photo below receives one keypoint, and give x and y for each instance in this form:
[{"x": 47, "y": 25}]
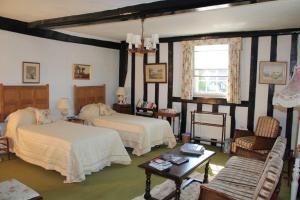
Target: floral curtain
[{"x": 233, "y": 95}]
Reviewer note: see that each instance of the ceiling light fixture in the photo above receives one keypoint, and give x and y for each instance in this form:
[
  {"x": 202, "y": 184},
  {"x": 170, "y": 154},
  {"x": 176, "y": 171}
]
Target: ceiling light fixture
[{"x": 142, "y": 45}]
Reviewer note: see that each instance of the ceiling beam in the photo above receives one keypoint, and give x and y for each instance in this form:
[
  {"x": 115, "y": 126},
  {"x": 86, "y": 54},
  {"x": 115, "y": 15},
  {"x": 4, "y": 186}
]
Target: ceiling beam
[{"x": 154, "y": 9}]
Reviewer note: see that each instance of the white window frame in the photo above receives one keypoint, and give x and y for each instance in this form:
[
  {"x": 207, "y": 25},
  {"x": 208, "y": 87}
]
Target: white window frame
[{"x": 208, "y": 95}]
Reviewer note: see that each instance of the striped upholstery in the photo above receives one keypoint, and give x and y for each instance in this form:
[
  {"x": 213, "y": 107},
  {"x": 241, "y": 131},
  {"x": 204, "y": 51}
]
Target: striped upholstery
[
  {"x": 235, "y": 191},
  {"x": 267, "y": 127},
  {"x": 245, "y": 164},
  {"x": 269, "y": 179},
  {"x": 238, "y": 176},
  {"x": 245, "y": 142},
  {"x": 242, "y": 185}
]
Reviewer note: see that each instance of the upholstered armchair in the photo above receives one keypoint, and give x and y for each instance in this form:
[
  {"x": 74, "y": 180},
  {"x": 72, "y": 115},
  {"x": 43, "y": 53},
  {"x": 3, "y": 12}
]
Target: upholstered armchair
[{"x": 259, "y": 142}]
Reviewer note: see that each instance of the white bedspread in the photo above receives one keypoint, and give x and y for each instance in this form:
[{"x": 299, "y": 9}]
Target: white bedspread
[
  {"x": 139, "y": 133},
  {"x": 72, "y": 149}
]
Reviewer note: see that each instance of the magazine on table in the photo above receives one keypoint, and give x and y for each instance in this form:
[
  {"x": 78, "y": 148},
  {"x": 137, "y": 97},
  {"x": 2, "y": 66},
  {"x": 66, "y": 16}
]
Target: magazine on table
[
  {"x": 175, "y": 159},
  {"x": 160, "y": 164}
]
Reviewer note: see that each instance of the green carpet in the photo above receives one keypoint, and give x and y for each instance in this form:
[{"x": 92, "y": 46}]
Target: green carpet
[{"x": 115, "y": 182}]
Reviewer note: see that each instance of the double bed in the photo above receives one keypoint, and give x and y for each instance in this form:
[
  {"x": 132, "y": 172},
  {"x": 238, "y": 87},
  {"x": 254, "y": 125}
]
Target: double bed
[
  {"x": 139, "y": 133},
  {"x": 74, "y": 150}
]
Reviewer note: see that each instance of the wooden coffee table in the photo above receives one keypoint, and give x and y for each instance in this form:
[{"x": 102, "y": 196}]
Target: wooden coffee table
[{"x": 178, "y": 173}]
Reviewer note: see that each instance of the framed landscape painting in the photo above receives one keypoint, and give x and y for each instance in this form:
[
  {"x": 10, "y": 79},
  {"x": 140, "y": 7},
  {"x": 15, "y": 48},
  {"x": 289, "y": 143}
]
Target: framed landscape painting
[
  {"x": 272, "y": 72},
  {"x": 155, "y": 73},
  {"x": 81, "y": 72},
  {"x": 31, "y": 72}
]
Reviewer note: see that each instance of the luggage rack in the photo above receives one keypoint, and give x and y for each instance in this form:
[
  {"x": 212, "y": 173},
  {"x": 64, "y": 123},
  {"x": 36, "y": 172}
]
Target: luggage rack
[{"x": 222, "y": 125}]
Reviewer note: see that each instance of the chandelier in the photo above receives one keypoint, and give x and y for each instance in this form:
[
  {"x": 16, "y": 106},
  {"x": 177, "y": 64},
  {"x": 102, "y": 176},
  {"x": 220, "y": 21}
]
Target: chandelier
[{"x": 142, "y": 45}]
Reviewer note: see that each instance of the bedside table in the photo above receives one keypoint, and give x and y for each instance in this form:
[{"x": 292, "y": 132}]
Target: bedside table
[
  {"x": 122, "y": 108},
  {"x": 76, "y": 120}
]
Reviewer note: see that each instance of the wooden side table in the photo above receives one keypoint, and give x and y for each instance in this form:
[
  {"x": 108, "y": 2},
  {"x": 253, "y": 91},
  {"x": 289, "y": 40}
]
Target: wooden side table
[
  {"x": 164, "y": 114},
  {"x": 4, "y": 146},
  {"x": 122, "y": 108}
]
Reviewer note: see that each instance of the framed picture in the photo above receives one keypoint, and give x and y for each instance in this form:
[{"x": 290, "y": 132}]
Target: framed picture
[
  {"x": 272, "y": 72},
  {"x": 155, "y": 73},
  {"x": 31, "y": 72},
  {"x": 81, "y": 72}
]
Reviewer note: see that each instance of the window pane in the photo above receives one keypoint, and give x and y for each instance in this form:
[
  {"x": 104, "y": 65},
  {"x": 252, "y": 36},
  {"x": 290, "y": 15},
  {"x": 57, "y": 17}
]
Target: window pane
[
  {"x": 211, "y": 57},
  {"x": 211, "y": 70}
]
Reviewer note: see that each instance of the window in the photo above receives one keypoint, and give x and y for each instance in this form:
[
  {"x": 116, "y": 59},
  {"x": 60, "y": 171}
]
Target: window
[{"x": 211, "y": 70}]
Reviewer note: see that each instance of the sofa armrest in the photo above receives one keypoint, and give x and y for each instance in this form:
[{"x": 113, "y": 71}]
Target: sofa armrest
[
  {"x": 241, "y": 133},
  {"x": 207, "y": 193},
  {"x": 263, "y": 143},
  {"x": 250, "y": 154}
]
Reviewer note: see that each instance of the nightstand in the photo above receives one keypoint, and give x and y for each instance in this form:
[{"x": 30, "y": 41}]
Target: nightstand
[
  {"x": 122, "y": 108},
  {"x": 76, "y": 120},
  {"x": 4, "y": 146}
]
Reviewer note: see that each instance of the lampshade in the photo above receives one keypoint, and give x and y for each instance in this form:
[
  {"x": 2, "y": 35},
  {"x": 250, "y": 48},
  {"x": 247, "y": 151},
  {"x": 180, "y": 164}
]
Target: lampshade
[
  {"x": 289, "y": 96},
  {"x": 121, "y": 91},
  {"x": 63, "y": 104}
]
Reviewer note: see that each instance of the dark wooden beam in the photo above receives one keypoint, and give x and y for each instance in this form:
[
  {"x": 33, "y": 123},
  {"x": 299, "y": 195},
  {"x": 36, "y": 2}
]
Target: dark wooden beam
[
  {"x": 157, "y": 58},
  {"x": 212, "y": 101},
  {"x": 215, "y": 108},
  {"x": 132, "y": 83},
  {"x": 123, "y": 64},
  {"x": 183, "y": 117},
  {"x": 232, "y": 126},
  {"x": 145, "y": 96},
  {"x": 146, "y": 10},
  {"x": 170, "y": 73},
  {"x": 257, "y": 33},
  {"x": 252, "y": 85},
  {"x": 271, "y": 90},
  {"x": 22, "y": 27}
]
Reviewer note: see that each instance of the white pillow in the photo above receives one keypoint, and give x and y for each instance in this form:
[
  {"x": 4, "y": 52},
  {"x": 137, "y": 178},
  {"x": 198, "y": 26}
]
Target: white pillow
[
  {"x": 42, "y": 116},
  {"x": 89, "y": 112},
  {"x": 18, "y": 119},
  {"x": 105, "y": 109}
]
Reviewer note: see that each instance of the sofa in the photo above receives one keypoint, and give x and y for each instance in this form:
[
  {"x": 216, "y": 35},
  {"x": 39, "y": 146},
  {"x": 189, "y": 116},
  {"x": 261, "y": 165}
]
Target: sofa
[{"x": 247, "y": 178}]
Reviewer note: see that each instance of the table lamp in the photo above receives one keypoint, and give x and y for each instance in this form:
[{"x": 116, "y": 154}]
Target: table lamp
[
  {"x": 289, "y": 97},
  {"x": 63, "y": 107},
  {"x": 120, "y": 94}
]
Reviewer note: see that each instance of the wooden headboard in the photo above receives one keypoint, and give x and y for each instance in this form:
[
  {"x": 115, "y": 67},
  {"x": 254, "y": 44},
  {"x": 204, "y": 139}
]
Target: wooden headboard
[
  {"x": 14, "y": 97},
  {"x": 84, "y": 95}
]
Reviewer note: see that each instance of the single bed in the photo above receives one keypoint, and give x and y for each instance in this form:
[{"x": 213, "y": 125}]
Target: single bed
[
  {"x": 139, "y": 133},
  {"x": 73, "y": 150}
]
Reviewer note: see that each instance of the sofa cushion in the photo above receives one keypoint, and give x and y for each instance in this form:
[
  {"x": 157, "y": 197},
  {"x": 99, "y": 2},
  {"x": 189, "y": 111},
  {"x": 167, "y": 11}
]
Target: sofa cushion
[
  {"x": 235, "y": 191},
  {"x": 245, "y": 164}
]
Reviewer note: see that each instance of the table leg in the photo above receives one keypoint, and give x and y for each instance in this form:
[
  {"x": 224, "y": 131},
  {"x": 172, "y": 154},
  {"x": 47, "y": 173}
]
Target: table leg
[
  {"x": 148, "y": 186},
  {"x": 206, "y": 173},
  {"x": 177, "y": 192}
]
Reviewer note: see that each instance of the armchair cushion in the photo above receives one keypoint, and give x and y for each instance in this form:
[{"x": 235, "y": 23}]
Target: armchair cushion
[
  {"x": 245, "y": 142},
  {"x": 267, "y": 127}
]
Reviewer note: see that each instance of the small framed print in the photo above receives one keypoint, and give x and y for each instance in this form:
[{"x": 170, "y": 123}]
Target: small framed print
[
  {"x": 81, "y": 72},
  {"x": 155, "y": 73},
  {"x": 31, "y": 72},
  {"x": 272, "y": 72}
]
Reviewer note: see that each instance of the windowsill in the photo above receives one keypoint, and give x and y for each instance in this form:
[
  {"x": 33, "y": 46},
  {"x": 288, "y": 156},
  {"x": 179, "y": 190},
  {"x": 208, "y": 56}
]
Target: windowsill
[{"x": 210, "y": 96}]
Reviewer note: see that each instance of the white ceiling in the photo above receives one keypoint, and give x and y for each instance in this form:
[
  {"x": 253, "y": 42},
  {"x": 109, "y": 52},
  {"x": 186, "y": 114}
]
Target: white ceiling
[{"x": 278, "y": 14}]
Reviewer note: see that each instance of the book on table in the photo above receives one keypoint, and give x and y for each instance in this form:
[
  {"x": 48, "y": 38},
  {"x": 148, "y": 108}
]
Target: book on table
[
  {"x": 175, "y": 159},
  {"x": 160, "y": 164}
]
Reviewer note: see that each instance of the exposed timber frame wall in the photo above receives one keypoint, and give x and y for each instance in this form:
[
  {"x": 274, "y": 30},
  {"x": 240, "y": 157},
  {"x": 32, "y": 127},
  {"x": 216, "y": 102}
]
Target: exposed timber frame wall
[{"x": 275, "y": 45}]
